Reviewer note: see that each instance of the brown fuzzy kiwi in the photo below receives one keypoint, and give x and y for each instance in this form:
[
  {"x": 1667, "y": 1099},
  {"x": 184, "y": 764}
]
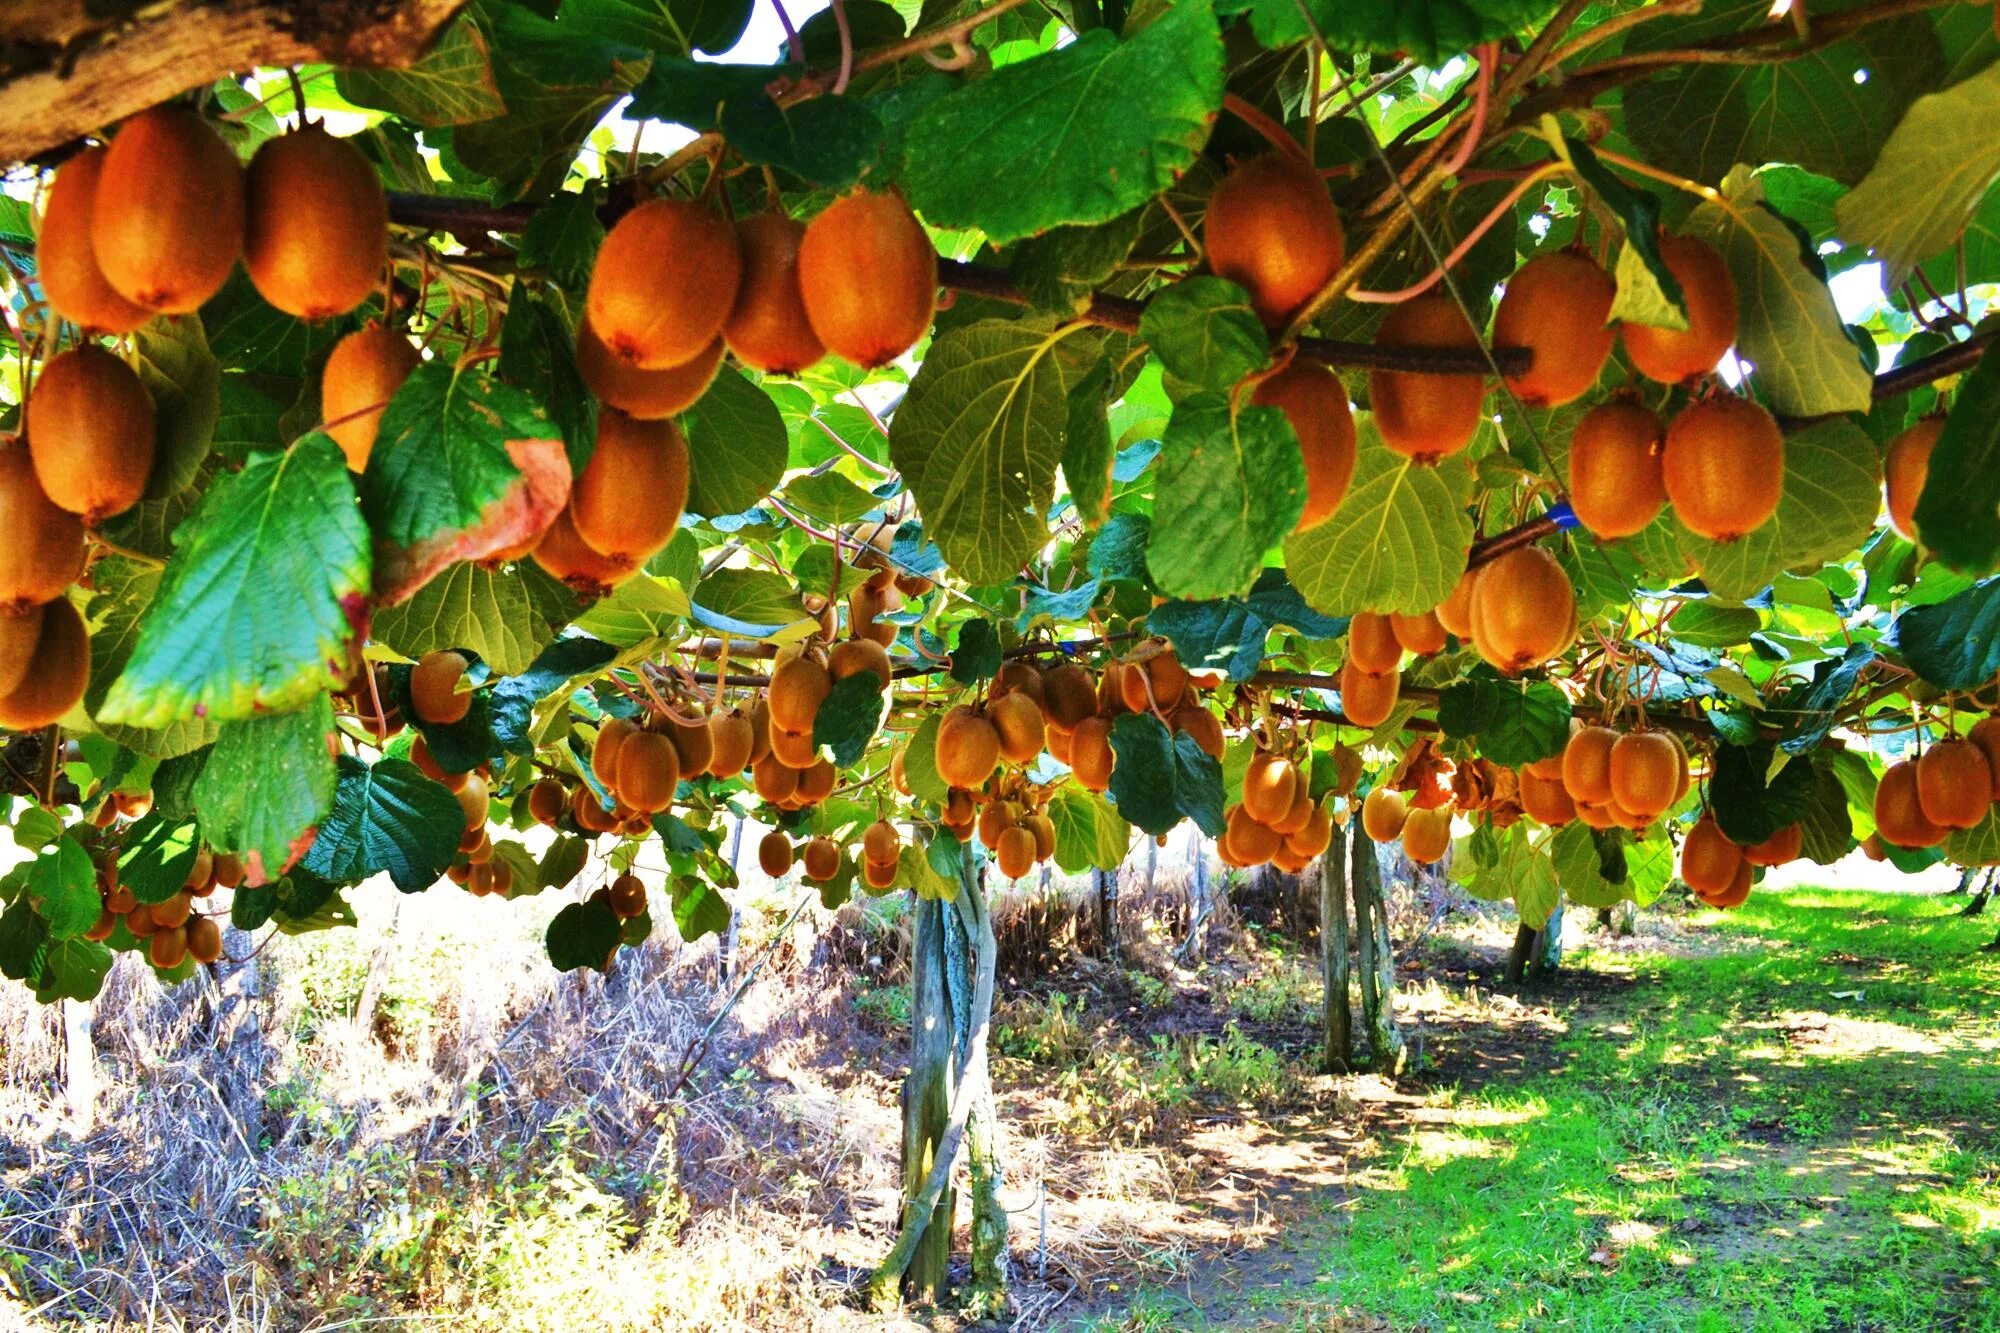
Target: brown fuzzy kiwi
[
  {"x": 547, "y": 800},
  {"x": 665, "y": 279},
  {"x": 434, "y": 692},
  {"x": 1724, "y": 467},
  {"x": 1455, "y": 611},
  {"x": 362, "y": 373},
  {"x": 1586, "y": 765},
  {"x": 1018, "y": 724},
  {"x": 794, "y": 749},
  {"x": 1558, "y": 306},
  {"x": 968, "y": 748},
  {"x": 799, "y": 684},
  {"x": 1522, "y": 610},
  {"x": 774, "y": 854},
  {"x": 167, "y": 223},
  {"x": 65, "y": 260},
  {"x": 1709, "y": 860},
  {"x": 628, "y": 896},
  {"x": 316, "y": 224},
  {"x": 1372, "y": 644},
  {"x": 1617, "y": 482},
  {"x": 564, "y": 554},
  {"x": 1383, "y": 814},
  {"x": 1271, "y": 228},
  {"x": 90, "y": 432},
  {"x": 43, "y": 553},
  {"x": 57, "y": 671},
  {"x": 730, "y": 741},
  {"x": 1672, "y": 355},
  {"x": 881, "y": 842},
  {"x": 693, "y": 744},
  {"x": 1314, "y": 402},
  {"x": 167, "y": 948},
  {"x": 1367, "y": 698},
  {"x": 1421, "y": 416},
  {"x": 774, "y": 780},
  {"x": 1091, "y": 757},
  {"x": 1780, "y": 847},
  {"x": 1270, "y": 784},
  {"x": 1068, "y": 696},
  {"x": 1422, "y": 634},
  {"x": 1016, "y": 852},
  {"x": 648, "y": 395},
  {"x": 817, "y": 783},
  {"x": 1954, "y": 784},
  {"x": 851, "y": 657},
  {"x": 822, "y": 859},
  {"x": 649, "y": 769},
  {"x": 611, "y": 736},
  {"x": 868, "y": 274},
  {"x": 768, "y": 328},
  {"x": 627, "y": 501},
  {"x": 1427, "y": 835},
  {"x": 1201, "y": 724},
  {"x": 1646, "y": 770},
  {"x": 1905, "y": 469}
]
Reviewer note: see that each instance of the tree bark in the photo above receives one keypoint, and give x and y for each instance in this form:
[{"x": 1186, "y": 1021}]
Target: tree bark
[
  {"x": 1336, "y": 1008},
  {"x": 1377, "y": 962},
  {"x": 73, "y": 67}
]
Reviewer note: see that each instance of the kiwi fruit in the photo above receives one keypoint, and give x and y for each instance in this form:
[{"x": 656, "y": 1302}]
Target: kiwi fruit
[
  {"x": 1954, "y": 784},
  {"x": 1586, "y": 765},
  {"x": 1018, "y": 724},
  {"x": 1383, "y": 814},
  {"x": 665, "y": 279},
  {"x": 1780, "y": 847},
  {"x": 768, "y": 328},
  {"x": 648, "y": 395},
  {"x": 1558, "y": 306},
  {"x": 1709, "y": 861},
  {"x": 65, "y": 260},
  {"x": 1272, "y": 229},
  {"x": 1427, "y": 835},
  {"x": 868, "y": 275},
  {"x": 90, "y": 433},
  {"x": 1617, "y": 483},
  {"x": 1422, "y": 634},
  {"x": 1423, "y": 416},
  {"x": 799, "y": 684},
  {"x": 774, "y": 854},
  {"x": 822, "y": 859},
  {"x": 434, "y": 693},
  {"x": 1645, "y": 770},
  {"x": 627, "y": 501},
  {"x": 563, "y": 553},
  {"x": 1367, "y": 698},
  {"x": 1905, "y": 469},
  {"x": 167, "y": 223},
  {"x": 43, "y": 553},
  {"x": 1372, "y": 644},
  {"x": 57, "y": 671},
  {"x": 1016, "y": 852},
  {"x": 1270, "y": 785},
  {"x": 1091, "y": 757},
  {"x": 628, "y": 896},
  {"x": 851, "y": 657},
  {"x": 1523, "y": 610},
  {"x": 730, "y": 741},
  {"x": 1672, "y": 355},
  {"x": 362, "y": 373},
  {"x": 1724, "y": 467},
  {"x": 968, "y": 748},
  {"x": 649, "y": 769},
  {"x": 316, "y": 224},
  {"x": 1068, "y": 696}
]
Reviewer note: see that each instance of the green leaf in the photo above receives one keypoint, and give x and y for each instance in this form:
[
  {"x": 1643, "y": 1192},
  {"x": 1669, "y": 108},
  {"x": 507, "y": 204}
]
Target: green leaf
[
  {"x": 1398, "y": 541},
  {"x": 1231, "y": 485},
  {"x": 736, "y": 447},
  {"x": 1787, "y": 324},
  {"x": 1959, "y": 511},
  {"x": 122, "y": 589},
  {"x": 451, "y": 84},
  {"x": 562, "y": 238},
  {"x": 387, "y": 817},
  {"x": 1953, "y": 644},
  {"x": 159, "y": 852},
  {"x": 1231, "y": 632},
  {"x": 1429, "y": 31},
  {"x": 464, "y": 465},
  {"x": 253, "y": 613},
  {"x": 849, "y": 716},
  {"x": 267, "y": 781},
  {"x": 62, "y": 884},
  {"x": 1096, "y": 153},
  {"x": 185, "y": 383},
  {"x": 975, "y": 654},
  {"x": 978, "y": 439},
  {"x": 468, "y": 606},
  {"x": 1205, "y": 332},
  {"x": 920, "y": 762},
  {"x": 1090, "y": 833},
  {"x": 699, "y": 910},
  {"x": 1161, "y": 777},
  {"x": 585, "y": 935},
  {"x": 1702, "y": 119},
  {"x": 1516, "y": 722}
]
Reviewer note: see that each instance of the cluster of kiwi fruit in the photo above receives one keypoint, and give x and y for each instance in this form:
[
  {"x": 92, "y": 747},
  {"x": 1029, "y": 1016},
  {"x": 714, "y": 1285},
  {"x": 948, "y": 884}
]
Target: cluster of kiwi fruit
[
  {"x": 173, "y": 930},
  {"x": 1951, "y": 785},
  {"x": 1276, "y": 819}
]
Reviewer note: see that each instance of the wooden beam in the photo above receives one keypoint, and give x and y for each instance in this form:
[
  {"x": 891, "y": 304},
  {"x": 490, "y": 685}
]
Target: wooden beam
[{"x": 103, "y": 73}]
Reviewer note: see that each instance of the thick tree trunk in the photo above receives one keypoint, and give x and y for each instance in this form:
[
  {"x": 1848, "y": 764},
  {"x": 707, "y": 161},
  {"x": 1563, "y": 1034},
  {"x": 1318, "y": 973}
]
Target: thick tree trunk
[
  {"x": 1336, "y": 1008},
  {"x": 926, "y": 1097},
  {"x": 79, "y": 1067},
  {"x": 1377, "y": 961}
]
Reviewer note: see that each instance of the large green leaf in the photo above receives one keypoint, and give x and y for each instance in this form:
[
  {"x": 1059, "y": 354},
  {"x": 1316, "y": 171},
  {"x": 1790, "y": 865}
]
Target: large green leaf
[
  {"x": 978, "y": 439},
  {"x": 468, "y": 606},
  {"x": 255, "y": 612},
  {"x": 464, "y": 466},
  {"x": 736, "y": 447},
  {"x": 387, "y": 817},
  {"x": 1930, "y": 178},
  {"x": 1230, "y": 485},
  {"x": 1787, "y": 324},
  {"x": 1700, "y": 119},
  {"x": 1959, "y": 511},
  {"x": 1090, "y": 833},
  {"x": 451, "y": 84},
  {"x": 1105, "y": 124},
  {"x": 1398, "y": 541},
  {"x": 266, "y": 782}
]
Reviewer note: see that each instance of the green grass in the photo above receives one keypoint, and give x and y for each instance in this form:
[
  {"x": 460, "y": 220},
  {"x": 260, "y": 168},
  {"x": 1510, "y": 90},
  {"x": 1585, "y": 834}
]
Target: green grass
[{"x": 1727, "y": 1146}]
